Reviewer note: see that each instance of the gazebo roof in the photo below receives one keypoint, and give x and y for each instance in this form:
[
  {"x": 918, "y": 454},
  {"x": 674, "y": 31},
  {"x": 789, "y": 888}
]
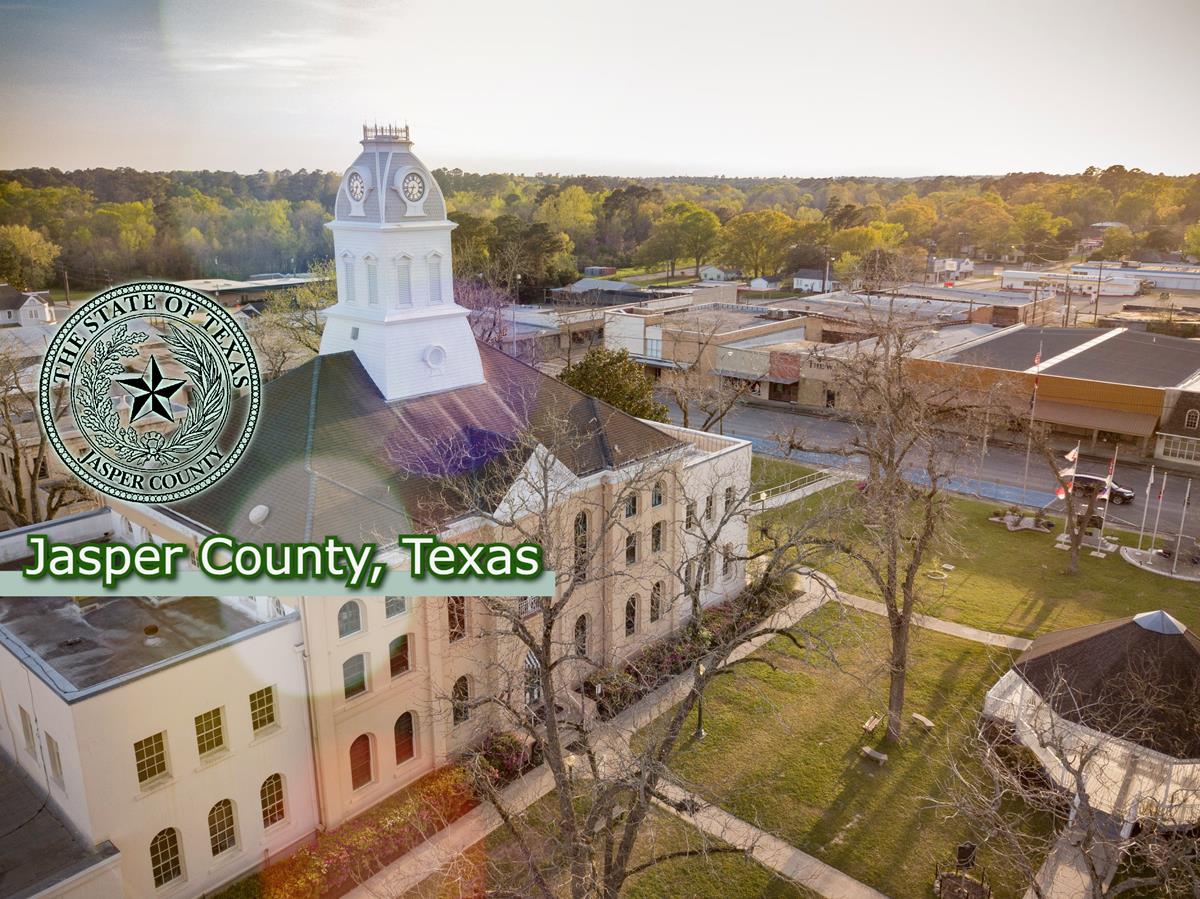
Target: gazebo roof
[{"x": 1137, "y": 678}]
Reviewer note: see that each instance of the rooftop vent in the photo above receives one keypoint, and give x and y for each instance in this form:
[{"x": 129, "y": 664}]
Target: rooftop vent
[{"x": 1160, "y": 623}]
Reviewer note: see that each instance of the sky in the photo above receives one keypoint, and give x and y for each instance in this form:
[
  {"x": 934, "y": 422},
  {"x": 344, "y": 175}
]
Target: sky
[{"x": 623, "y": 87}]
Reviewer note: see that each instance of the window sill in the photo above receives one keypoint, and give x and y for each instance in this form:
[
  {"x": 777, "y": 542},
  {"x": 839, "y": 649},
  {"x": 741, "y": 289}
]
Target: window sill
[
  {"x": 262, "y": 736},
  {"x": 212, "y": 759},
  {"x": 160, "y": 783}
]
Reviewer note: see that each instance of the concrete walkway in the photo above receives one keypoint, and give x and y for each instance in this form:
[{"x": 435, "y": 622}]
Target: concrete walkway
[
  {"x": 965, "y": 632},
  {"x": 769, "y": 851}
]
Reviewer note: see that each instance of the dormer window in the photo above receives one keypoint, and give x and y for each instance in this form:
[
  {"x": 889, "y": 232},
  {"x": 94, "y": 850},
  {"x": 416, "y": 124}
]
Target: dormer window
[{"x": 1191, "y": 421}]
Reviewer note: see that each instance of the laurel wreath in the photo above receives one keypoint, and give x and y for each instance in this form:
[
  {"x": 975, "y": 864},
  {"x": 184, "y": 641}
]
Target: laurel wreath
[{"x": 98, "y": 413}]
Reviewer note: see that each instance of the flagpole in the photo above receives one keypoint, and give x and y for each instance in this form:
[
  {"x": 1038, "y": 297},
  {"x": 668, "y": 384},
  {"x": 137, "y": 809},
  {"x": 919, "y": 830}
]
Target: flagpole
[
  {"x": 1112, "y": 470},
  {"x": 1162, "y": 489},
  {"x": 1182, "y": 521},
  {"x": 1145, "y": 509},
  {"x": 1037, "y": 371}
]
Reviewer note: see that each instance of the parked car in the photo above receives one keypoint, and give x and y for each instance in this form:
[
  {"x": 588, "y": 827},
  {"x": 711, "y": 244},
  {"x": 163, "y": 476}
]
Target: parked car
[{"x": 1088, "y": 484}]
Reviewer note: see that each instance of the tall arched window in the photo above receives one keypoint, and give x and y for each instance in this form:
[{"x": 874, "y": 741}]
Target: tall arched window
[
  {"x": 656, "y": 597},
  {"x": 456, "y": 615},
  {"x": 271, "y": 797},
  {"x": 581, "y": 636},
  {"x": 221, "y": 831},
  {"x": 656, "y": 495},
  {"x": 1191, "y": 421},
  {"x": 372, "y": 280},
  {"x": 403, "y": 280},
  {"x": 349, "y": 619},
  {"x": 460, "y": 700},
  {"x": 354, "y": 676},
  {"x": 533, "y": 679},
  {"x": 398, "y": 655},
  {"x": 631, "y": 615},
  {"x": 361, "y": 772},
  {"x": 435, "y": 278},
  {"x": 347, "y": 275},
  {"x": 405, "y": 735},
  {"x": 165, "y": 862},
  {"x": 581, "y": 545}
]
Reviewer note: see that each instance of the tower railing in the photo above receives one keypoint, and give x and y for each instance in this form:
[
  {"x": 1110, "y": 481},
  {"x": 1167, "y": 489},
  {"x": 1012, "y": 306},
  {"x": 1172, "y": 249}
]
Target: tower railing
[{"x": 385, "y": 132}]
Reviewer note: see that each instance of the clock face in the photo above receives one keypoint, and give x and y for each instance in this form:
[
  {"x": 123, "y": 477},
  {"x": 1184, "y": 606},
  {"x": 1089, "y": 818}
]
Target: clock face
[
  {"x": 357, "y": 187},
  {"x": 414, "y": 187}
]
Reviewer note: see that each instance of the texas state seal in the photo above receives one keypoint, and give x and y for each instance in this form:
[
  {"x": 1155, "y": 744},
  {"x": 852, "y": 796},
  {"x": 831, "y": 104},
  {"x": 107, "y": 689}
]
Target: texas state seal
[{"x": 150, "y": 392}]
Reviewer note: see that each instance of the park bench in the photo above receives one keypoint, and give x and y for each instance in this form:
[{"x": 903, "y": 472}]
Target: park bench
[
  {"x": 923, "y": 721},
  {"x": 874, "y": 755},
  {"x": 871, "y": 723}
]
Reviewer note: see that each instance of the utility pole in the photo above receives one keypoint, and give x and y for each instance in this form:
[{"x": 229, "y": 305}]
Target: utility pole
[
  {"x": 1096, "y": 307},
  {"x": 67, "y": 287},
  {"x": 1067, "y": 314}
]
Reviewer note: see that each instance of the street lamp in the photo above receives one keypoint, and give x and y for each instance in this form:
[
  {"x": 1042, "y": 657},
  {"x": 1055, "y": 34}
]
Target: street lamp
[{"x": 699, "y": 734}]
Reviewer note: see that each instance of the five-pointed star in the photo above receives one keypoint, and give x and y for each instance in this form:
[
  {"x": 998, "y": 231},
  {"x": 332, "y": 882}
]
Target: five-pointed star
[{"x": 151, "y": 392}]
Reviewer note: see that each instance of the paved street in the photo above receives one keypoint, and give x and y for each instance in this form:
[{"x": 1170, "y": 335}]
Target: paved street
[{"x": 1004, "y": 465}]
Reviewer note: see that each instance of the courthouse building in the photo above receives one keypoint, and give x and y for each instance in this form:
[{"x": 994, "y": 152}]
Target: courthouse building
[{"x": 369, "y": 439}]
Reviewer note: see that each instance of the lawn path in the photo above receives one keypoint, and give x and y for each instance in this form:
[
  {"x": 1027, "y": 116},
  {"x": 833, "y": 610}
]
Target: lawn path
[
  {"x": 987, "y": 638},
  {"x": 769, "y": 851}
]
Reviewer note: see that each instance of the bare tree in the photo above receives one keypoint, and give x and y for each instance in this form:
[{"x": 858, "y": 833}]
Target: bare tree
[
  {"x": 299, "y": 312},
  {"x": 274, "y": 343},
  {"x": 912, "y": 430},
  {"x": 702, "y": 397},
  {"x": 1007, "y": 782},
  {"x": 1079, "y": 501},
  {"x": 32, "y": 495},
  {"x": 558, "y": 676}
]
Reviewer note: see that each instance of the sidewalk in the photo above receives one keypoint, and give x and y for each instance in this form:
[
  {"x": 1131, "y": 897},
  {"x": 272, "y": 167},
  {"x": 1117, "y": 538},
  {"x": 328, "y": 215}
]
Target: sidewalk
[
  {"x": 965, "y": 632},
  {"x": 769, "y": 851}
]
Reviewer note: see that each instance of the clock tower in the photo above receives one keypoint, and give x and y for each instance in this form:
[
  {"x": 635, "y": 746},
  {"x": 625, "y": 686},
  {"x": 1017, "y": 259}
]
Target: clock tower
[{"x": 395, "y": 305}]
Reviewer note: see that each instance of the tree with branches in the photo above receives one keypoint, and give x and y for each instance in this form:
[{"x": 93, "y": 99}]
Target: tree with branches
[{"x": 560, "y": 673}]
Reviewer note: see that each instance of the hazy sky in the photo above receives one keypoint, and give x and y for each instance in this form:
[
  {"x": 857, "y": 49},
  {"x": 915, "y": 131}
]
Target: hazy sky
[{"x": 636, "y": 87}]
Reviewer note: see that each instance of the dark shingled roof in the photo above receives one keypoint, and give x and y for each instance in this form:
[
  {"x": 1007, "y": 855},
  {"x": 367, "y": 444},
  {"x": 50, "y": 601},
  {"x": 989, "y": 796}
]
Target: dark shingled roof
[
  {"x": 1124, "y": 679},
  {"x": 11, "y": 299},
  {"x": 332, "y": 457},
  {"x": 1176, "y": 422}
]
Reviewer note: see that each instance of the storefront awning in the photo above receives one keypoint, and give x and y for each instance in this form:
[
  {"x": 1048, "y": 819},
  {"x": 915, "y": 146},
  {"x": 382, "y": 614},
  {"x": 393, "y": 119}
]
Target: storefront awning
[{"x": 1135, "y": 424}]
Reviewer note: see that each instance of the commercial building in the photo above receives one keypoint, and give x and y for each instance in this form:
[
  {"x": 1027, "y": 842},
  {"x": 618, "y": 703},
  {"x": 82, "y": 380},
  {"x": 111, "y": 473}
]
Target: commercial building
[
  {"x": 254, "y": 290},
  {"x": 1080, "y": 283},
  {"x": 1007, "y": 307},
  {"x": 1154, "y": 275}
]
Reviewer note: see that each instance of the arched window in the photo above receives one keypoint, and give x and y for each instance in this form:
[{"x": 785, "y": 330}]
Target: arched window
[
  {"x": 631, "y": 615},
  {"x": 347, "y": 276},
  {"x": 581, "y": 545},
  {"x": 533, "y": 679},
  {"x": 165, "y": 862},
  {"x": 460, "y": 700},
  {"x": 406, "y": 738},
  {"x": 221, "y": 832},
  {"x": 656, "y": 495},
  {"x": 349, "y": 619},
  {"x": 372, "y": 280},
  {"x": 354, "y": 676},
  {"x": 403, "y": 280},
  {"x": 398, "y": 655},
  {"x": 581, "y": 636},
  {"x": 656, "y": 595},
  {"x": 456, "y": 614},
  {"x": 1191, "y": 421},
  {"x": 435, "y": 278},
  {"x": 271, "y": 797},
  {"x": 361, "y": 772}
]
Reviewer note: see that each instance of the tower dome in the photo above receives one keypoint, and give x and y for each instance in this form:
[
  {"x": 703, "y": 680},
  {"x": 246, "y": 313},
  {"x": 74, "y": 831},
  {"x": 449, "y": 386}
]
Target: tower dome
[{"x": 395, "y": 306}]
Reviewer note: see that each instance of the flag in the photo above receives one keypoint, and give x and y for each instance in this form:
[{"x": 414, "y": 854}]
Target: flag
[
  {"x": 1073, "y": 455},
  {"x": 1150, "y": 483}
]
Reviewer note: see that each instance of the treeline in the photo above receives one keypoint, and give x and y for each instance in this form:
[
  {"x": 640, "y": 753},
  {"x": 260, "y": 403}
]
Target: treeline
[{"x": 526, "y": 232}]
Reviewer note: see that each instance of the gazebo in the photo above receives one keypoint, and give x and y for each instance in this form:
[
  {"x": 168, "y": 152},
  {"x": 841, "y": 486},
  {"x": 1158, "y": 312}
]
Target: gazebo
[{"x": 1118, "y": 703}]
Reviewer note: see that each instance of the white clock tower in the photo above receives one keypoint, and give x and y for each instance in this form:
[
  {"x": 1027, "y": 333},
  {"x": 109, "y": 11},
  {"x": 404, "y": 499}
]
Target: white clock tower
[{"x": 395, "y": 283}]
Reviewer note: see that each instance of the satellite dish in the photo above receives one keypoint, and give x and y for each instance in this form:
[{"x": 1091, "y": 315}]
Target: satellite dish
[{"x": 259, "y": 514}]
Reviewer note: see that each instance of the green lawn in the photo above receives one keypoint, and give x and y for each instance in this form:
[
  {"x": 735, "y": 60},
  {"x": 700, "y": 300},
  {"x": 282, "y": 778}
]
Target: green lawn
[
  {"x": 767, "y": 471},
  {"x": 783, "y": 751},
  {"x": 495, "y": 863},
  {"x": 1015, "y": 583}
]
